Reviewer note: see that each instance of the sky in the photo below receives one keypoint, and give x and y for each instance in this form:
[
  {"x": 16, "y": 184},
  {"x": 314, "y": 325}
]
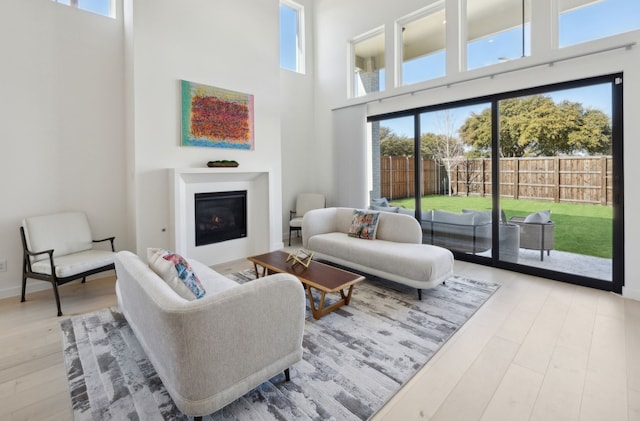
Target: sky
[{"x": 102, "y": 7}]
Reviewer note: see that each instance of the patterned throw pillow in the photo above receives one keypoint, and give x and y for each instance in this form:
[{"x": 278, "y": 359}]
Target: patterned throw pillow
[
  {"x": 364, "y": 224},
  {"x": 176, "y": 272}
]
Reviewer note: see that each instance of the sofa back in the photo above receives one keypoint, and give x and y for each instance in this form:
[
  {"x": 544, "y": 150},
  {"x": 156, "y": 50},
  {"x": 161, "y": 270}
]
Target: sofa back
[
  {"x": 391, "y": 226},
  {"x": 65, "y": 233}
]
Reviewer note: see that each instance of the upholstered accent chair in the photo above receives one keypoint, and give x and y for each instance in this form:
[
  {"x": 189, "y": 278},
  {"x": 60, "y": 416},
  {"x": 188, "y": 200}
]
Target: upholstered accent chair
[
  {"x": 58, "y": 248},
  {"x": 304, "y": 203}
]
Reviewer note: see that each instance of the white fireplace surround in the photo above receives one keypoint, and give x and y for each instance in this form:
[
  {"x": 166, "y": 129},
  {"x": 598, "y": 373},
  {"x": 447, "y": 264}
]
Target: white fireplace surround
[{"x": 188, "y": 182}]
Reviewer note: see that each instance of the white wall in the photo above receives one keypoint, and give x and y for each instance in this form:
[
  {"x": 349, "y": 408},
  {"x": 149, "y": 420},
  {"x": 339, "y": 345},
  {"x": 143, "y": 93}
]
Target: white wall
[
  {"x": 299, "y": 146},
  {"x": 231, "y": 45},
  {"x": 337, "y": 22},
  {"x": 61, "y": 123}
]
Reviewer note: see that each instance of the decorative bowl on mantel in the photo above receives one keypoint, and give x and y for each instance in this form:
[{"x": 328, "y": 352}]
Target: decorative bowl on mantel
[{"x": 223, "y": 163}]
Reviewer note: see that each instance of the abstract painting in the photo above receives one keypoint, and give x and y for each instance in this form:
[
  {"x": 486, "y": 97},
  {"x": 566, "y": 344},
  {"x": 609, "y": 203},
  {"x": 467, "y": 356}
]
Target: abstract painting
[{"x": 216, "y": 117}]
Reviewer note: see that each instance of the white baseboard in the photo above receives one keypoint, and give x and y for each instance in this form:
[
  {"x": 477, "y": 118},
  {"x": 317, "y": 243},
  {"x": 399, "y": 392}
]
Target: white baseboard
[
  {"x": 633, "y": 294},
  {"x": 34, "y": 285}
]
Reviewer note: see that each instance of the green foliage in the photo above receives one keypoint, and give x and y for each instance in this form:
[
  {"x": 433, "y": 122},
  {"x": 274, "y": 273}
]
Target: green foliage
[
  {"x": 536, "y": 126},
  {"x": 393, "y": 145},
  {"x": 579, "y": 228}
]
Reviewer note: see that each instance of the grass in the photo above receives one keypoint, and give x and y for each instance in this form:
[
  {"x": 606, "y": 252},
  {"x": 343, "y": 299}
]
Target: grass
[{"x": 579, "y": 228}]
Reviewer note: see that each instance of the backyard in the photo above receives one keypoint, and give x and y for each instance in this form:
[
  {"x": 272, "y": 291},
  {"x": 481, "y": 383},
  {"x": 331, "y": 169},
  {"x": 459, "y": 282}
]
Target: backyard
[{"x": 579, "y": 228}]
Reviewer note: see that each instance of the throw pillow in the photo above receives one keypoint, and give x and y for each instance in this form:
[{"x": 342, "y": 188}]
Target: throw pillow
[
  {"x": 380, "y": 202},
  {"x": 176, "y": 272},
  {"x": 541, "y": 217},
  {"x": 364, "y": 224},
  {"x": 392, "y": 209}
]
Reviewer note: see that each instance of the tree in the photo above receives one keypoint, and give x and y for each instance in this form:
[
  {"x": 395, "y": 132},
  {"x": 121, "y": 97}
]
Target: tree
[
  {"x": 446, "y": 148},
  {"x": 536, "y": 126},
  {"x": 393, "y": 145}
]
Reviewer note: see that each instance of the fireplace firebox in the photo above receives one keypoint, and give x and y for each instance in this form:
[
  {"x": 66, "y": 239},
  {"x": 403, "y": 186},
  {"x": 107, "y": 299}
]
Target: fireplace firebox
[{"x": 220, "y": 216}]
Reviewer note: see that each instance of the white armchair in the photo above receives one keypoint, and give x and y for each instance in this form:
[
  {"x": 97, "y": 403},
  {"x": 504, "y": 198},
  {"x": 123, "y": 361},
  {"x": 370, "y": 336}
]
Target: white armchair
[
  {"x": 304, "y": 203},
  {"x": 58, "y": 248}
]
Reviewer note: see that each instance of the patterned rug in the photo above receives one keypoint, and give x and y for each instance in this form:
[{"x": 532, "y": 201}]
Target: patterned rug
[{"x": 355, "y": 359}]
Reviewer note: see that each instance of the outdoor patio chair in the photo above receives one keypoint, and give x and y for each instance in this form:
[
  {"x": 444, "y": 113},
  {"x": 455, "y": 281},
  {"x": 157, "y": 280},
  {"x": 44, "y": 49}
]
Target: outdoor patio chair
[{"x": 536, "y": 232}]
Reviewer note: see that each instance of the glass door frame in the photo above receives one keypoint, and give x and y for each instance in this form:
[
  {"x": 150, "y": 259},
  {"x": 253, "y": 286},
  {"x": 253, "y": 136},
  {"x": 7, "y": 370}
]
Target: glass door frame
[{"x": 616, "y": 81}]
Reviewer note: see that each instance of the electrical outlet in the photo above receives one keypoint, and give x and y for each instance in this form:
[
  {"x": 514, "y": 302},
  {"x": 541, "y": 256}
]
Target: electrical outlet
[{"x": 3, "y": 265}]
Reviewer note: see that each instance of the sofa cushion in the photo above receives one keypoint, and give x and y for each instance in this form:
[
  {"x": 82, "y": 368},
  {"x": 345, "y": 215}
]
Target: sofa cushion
[
  {"x": 364, "y": 224},
  {"x": 541, "y": 217},
  {"x": 453, "y": 218},
  {"x": 176, "y": 272},
  {"x": 417, "y": 262},
  {"x": 480, "y": 217}
]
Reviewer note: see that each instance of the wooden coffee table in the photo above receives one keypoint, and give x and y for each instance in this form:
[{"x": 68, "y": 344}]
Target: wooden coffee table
[{"x": 322, "y": 277}]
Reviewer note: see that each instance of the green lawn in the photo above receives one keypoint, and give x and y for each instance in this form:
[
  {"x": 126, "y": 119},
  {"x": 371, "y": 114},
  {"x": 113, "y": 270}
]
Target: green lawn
[{"x": 582, "y": 229}]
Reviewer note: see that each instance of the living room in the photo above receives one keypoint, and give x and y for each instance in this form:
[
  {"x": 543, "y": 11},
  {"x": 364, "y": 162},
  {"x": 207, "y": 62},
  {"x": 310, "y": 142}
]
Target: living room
[{"x": 91, "y": 109}]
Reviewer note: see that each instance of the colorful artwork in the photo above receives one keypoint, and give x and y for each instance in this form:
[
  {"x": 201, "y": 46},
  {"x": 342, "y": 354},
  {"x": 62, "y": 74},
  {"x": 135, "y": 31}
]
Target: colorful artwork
[{"x": 216, "y": 117}]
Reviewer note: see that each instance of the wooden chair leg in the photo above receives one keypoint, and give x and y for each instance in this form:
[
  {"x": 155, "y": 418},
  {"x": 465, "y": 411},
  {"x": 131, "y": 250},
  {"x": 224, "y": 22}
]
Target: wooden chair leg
[
  {"x": 84, "y": 279},
  {"x": 419, "y": 294},
  {"x": 55, "y": 292},
  {"x": 24, "y": 288}
]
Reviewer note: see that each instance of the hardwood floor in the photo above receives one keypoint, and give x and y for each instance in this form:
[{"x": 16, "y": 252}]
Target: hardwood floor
[{"x": 537, "y": 350}]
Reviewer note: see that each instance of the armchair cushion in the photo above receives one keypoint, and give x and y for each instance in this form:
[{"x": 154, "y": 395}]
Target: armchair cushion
[
  {"x": 73, "y": 264},
  {"x": 541, "y": 217},
  {"x": 176, "y": 272},
  {"x": 65, "y": 233}
]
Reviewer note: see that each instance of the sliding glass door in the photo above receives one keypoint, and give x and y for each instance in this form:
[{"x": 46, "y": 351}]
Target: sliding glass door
[
  {"x": 529, "y": 181},
  {"x": 557, "y": 177}
]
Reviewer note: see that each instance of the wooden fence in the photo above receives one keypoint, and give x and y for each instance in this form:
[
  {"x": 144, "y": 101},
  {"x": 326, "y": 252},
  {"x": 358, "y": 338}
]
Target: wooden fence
[{"x": 559, "y": 179}]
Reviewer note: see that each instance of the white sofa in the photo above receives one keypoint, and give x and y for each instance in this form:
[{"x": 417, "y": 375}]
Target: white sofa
[
  {"x": 396, "y": 253},
  {"x": 212, "y": 350}
]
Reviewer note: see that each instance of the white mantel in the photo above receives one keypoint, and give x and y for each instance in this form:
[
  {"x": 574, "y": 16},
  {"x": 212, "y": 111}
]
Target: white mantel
[{"x": 187, "y": 182}]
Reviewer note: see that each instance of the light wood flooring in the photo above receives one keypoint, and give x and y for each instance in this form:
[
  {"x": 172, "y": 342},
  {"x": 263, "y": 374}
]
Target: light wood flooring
[{"x": 537, "y": 350}]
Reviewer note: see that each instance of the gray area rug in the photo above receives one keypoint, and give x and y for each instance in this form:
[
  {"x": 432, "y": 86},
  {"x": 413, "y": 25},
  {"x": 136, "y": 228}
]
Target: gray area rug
[{"x": 354, "y": 360}]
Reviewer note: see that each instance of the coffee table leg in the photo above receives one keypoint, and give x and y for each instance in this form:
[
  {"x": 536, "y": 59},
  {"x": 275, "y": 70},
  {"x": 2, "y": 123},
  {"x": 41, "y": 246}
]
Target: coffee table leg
[
  {"x": 320, "y": 310},
  {"x": 346, "y": 298},
  {"x": 255, "y": 269}
]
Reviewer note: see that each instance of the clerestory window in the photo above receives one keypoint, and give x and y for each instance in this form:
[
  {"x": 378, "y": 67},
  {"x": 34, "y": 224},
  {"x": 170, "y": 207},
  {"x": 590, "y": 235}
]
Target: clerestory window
[
  {"x": 100, "y": 7},
  {"x": 587, "y": 20},
  {"x": 423, "y": 45},
  {"x": 368, "y": 63},
  {"x": 497, "y": 31},
  {"x": 292, "y": 36}
]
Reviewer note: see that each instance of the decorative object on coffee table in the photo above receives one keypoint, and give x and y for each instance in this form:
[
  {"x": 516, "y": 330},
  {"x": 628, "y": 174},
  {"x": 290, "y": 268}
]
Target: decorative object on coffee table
[
  {"x": 302, "y": 257},
  {"x": 222, "y": 163}
]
